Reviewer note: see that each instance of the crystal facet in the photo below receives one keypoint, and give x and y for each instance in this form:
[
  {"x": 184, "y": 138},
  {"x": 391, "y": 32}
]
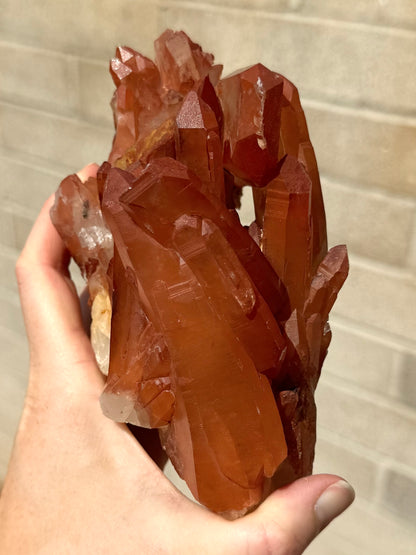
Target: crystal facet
[{"x": 218, "y": 332}]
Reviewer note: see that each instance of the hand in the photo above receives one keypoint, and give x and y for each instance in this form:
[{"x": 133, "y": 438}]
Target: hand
[{"x": 79, "y": 482}]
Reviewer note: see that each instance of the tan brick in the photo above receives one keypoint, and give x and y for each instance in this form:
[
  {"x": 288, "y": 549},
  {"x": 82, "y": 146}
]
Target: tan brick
[
  {"x": 65, "y": 141},
  {"x": 27, "y": 184},
  {"x": 360, "y": 358},
  {"x": 380, "y": 297},
  {"x": 8, "y": 259},
  {"x": 406, "y": 381},
  {"x": 343, "y": 63},
  {"x": 23, "y": 223},
  {"x": 96, "y": 91},
  {"x": 411, "y": 259},
  {"x": 330, "y": 61},
  {"x": 278, "y": 5},
  {"x": 399, "y": 494},
  {"x": 18, "y": 222},
  {"x": 380, "y": 12},
  {"x": 89, "y": 29},
  {"x": 332, "y": 457},
  {"x": 327, "y": 544},
  {"x": 375, "y": 12},
  {"x": 370, "y": 223},
  {"x": 14, "y": 355},
  {"x": 10, "y": 313},
  {"x": 7, "y": 235},
  {"x": 38, "y": 78},
  {"x": 368, "y": 420},
  {"x": 367, "y": 531},
  {"x": 366, "y": 147}
]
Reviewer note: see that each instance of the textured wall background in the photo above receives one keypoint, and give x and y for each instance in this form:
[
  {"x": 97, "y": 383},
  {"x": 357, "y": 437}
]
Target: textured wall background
[{"x": 355, "y": 66}]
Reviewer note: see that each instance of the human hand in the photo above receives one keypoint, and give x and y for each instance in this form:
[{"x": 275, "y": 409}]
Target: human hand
[{"x": 79, "y": 482}]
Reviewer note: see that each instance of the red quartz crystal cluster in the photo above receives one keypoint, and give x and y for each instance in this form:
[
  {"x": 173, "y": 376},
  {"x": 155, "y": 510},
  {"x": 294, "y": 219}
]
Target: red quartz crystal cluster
[{"x": 218, "y": 331}]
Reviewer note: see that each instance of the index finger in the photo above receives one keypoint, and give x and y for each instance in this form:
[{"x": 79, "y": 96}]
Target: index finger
[{"x": 44, "y": 246}]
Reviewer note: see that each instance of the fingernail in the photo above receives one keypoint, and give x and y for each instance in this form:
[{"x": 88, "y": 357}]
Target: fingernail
[{"x": 335, "y": 499}]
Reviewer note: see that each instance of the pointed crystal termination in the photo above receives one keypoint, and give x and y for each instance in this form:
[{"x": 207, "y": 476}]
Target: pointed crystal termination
[
  {"x": 181, "y": 62},
  {"x": 252, "y": 102},
  {"x": 295, "y": 141},
  {"x": 326, "y": 284},
  {"x": 287, "y": 229},
  {"x": 137, "y": 95},
  {"x": 198, "y": 144},
  {"x": 207, "y": 93},
  {"x": 328, "y": 280},
  {"x": 149, "y": 95},
  {"x": 218, "y": 332}
]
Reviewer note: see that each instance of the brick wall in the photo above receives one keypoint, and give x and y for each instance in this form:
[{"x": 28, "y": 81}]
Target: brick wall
[{"x": 355, "y": 65}]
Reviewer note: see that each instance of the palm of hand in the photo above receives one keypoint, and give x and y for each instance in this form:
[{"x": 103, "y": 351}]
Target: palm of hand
[{"x": 79, "y": 481}]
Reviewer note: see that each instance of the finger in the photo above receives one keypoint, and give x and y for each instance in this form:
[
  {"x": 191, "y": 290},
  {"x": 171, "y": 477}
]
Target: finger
[
  {"x": 291, "y": 517},
  {"x": 44, "y": 246},
  {"x": 48, "y": 297},
  {"x": 43, "y": 265},
  {"x": 50, "y": 304},
  {"x": 88, "y": 171}
]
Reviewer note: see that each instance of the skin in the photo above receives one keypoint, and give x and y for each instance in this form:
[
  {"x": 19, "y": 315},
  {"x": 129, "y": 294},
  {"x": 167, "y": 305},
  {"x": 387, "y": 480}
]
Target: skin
[{"x": 79, "y": 482}]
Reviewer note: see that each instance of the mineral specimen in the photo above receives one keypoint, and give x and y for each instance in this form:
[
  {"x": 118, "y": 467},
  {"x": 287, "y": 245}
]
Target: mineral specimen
[{"x": 218, "y": 331}]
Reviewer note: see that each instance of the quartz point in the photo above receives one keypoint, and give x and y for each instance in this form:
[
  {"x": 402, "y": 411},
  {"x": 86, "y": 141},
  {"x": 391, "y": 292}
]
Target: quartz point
[
  {"x": 218, "y": 331},
  {"x": 252, "y": 101}
]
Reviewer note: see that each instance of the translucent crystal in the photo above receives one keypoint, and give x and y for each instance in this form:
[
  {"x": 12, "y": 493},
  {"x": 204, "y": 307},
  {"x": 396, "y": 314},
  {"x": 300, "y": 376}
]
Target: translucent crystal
[{"x": 218, "y": 332}]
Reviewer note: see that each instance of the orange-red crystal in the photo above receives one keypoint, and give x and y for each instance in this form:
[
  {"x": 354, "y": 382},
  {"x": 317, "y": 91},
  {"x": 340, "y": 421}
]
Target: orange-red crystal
[{"x": 218, "y": 332}]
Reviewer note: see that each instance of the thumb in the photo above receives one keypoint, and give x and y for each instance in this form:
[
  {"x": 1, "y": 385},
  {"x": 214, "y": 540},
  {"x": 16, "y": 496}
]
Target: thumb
[
  {"x": 291, "y": 517},
  {"x": 60, "y": 351}
]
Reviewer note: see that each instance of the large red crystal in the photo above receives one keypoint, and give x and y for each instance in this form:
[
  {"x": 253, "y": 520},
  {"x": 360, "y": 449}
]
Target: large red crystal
[
  {"x": 252, "y": 101},
  {"x": 218, "y": 332}
]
